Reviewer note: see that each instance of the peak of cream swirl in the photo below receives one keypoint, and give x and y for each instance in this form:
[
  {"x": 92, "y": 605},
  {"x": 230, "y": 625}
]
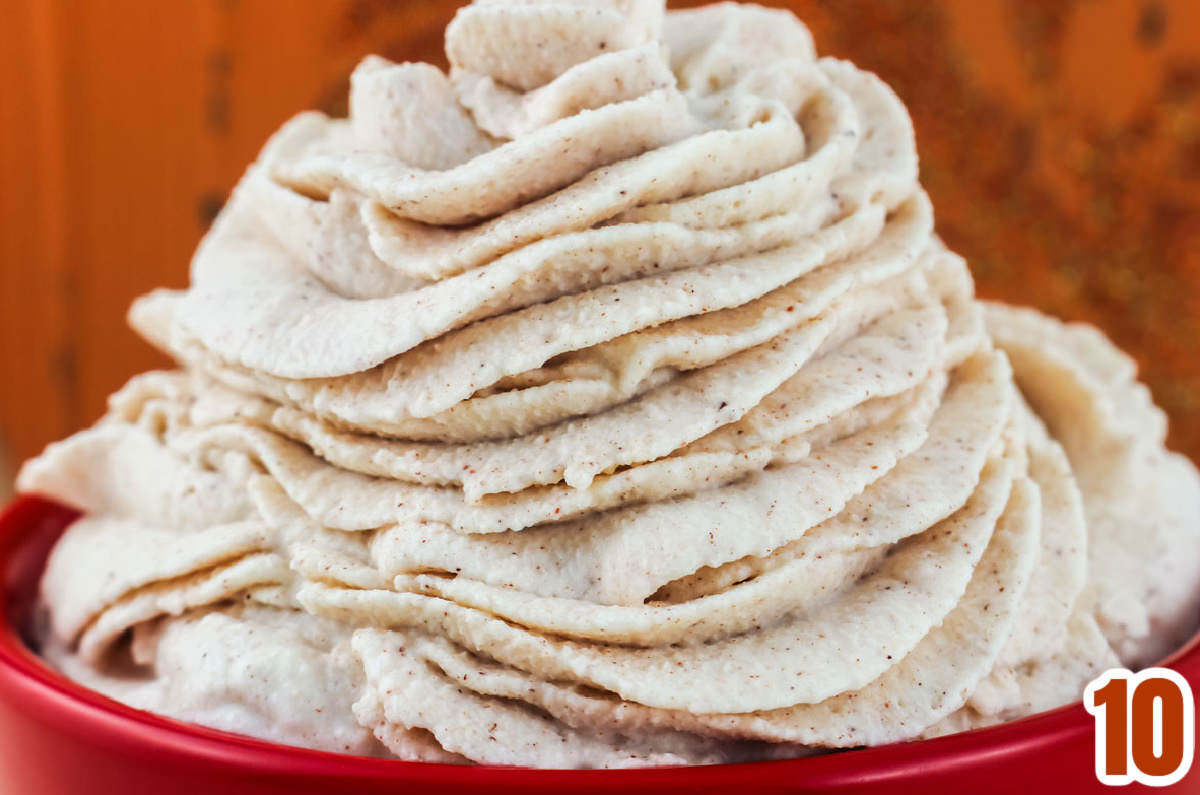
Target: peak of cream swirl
[{"x": 616, "y": 373}]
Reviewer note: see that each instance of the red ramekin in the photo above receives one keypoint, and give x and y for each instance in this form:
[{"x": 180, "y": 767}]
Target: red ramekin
[{"x": 57, "y": 738}]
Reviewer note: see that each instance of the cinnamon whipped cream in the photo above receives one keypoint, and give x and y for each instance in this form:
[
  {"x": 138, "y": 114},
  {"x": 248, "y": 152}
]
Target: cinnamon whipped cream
[{"x": 609, "y": 401}]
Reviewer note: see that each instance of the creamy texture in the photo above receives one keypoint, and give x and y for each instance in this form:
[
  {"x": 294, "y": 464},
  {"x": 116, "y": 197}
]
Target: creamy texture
[{"x": 609, "y": 401}]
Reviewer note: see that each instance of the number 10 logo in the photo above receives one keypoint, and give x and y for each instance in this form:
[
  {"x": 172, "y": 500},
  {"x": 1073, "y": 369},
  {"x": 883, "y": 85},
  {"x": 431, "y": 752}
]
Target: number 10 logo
[{"x": 1145, "y": 726}]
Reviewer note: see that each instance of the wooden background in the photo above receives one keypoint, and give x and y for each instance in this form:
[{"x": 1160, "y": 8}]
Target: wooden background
[{"x": 1060, "y": 140}]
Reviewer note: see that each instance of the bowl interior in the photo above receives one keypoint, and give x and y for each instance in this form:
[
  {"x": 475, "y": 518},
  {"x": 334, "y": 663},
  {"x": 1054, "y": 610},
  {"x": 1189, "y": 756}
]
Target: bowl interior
[{"x": 23, "y": 557}]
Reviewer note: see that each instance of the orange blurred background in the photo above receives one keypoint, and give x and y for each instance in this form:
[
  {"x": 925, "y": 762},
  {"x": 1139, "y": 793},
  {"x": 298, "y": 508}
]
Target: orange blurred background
[{"x": 1060, "y": 141}]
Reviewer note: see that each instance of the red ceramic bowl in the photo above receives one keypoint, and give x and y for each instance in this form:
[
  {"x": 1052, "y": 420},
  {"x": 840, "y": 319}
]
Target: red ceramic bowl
[{"x": 57, "y": 738}]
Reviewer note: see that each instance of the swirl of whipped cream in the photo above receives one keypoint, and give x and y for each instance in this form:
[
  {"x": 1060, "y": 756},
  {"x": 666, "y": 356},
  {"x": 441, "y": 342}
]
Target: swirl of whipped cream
[{"x": 607, "y": 401}]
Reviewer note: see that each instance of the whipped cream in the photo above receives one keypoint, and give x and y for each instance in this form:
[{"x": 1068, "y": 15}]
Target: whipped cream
[{"x": 609, "y": 401}]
